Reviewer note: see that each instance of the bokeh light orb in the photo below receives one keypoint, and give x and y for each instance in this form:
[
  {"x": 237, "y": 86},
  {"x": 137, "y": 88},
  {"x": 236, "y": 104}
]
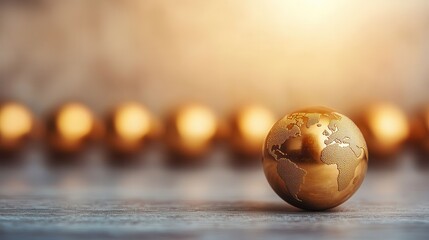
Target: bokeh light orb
[
  {"x": 129, "y": 125},
  {"x": 385, "y": 127},
  {"x": 191, "y": 129},
  {"x": 70, "y": 127},
  {"x": 16, "y": 124},
  {"x": 249, "y": 127},
  {"x": 315, "y": 159}
]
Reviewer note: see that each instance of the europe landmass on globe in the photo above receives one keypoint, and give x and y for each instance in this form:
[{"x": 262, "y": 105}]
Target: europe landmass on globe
[{"x": 337, "y": 144}]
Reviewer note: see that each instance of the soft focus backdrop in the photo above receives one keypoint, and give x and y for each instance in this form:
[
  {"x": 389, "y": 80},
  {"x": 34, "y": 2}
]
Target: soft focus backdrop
[{"x": 284, "y": 54}]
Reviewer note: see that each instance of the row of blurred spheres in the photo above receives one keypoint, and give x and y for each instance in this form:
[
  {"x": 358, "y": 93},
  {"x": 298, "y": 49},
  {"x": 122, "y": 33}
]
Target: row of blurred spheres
[{"x": 190, "y": 130}]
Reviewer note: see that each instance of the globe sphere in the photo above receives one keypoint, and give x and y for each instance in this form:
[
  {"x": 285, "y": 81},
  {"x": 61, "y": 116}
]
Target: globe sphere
[{"x": 315, "y": 159}]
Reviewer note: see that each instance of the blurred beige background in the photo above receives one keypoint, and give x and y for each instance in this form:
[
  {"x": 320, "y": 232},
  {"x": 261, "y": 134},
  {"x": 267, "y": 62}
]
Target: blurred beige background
[{"x": 284, "y": 54}]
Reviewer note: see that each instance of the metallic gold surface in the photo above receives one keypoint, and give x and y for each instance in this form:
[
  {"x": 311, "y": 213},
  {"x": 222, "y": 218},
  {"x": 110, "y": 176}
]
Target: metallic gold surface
[
  {"x": 385, "y": 128},
  {"x": 190, "y": 130},
  {"x": 16, "y": 124},
  {"x": 249, "y": 126},
  {"x": 315, "y": 159}
]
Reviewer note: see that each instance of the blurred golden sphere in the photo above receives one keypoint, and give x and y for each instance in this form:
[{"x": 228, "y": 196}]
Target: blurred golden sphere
[
  {"x": 70, "y": 127},
  {"x": 129, "y": 125},
  {"x": 420, "y": 130},
  {"x": 16, "y": 124},
  {"x": 249, "y": 127},
  {"x": 385, "y": 128},
  {"x": 315, "y": 159},
  {"x": 190, "y": 130}
]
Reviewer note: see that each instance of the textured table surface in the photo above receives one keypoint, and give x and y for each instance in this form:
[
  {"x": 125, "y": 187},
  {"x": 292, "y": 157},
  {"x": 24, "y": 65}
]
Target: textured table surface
[{"x": 213, "y": 203}]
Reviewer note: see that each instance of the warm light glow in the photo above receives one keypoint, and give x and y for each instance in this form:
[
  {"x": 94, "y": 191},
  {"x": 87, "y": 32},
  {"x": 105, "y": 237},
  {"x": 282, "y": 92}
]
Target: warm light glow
[
  {"x": 388, "y": 124},
  {"x": 306, "y": 14},
  {"x": 15, "y": 121},
  {"x": 74, "y": 122},
  {"x": 196, "y": 125},
  {"x": 254, "y": 123},
  {"x": 132, "y": 122}
]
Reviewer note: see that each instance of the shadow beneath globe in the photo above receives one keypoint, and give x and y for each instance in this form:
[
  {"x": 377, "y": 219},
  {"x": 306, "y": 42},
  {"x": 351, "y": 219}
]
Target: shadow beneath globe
[{"x": 267, "y": 207}]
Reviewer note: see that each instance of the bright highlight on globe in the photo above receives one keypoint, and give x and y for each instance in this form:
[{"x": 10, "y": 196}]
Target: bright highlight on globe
[{"x": 315, "y": 159}]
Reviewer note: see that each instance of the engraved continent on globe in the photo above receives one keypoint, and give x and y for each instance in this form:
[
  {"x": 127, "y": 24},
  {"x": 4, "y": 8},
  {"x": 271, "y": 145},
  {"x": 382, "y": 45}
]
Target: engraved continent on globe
[
  {"x": 339, "y": 144},
  {"x": 310, "y": 138}
]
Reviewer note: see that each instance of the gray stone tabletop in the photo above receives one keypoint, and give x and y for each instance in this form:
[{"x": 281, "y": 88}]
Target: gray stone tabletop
[{"x": 210, "y": 203}]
